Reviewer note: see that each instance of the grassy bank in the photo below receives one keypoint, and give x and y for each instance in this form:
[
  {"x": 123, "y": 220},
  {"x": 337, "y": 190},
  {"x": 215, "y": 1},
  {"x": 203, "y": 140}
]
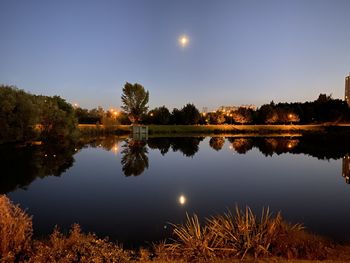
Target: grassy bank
[
  {"x": 232, "y": 237},
  {"x": 91, "y": 129},
  {"x": 97, "y": 129},
  {"x": 242, "y": 130},
  {"x": 234, "y": 129}
]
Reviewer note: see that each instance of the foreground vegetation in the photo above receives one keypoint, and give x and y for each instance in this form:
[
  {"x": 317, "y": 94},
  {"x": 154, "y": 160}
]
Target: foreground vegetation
[{"x": 224, "y": 238}]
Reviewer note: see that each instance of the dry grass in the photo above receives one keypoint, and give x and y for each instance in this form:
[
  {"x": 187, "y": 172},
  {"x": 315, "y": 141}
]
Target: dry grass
[
  {"x": 77, "y": 247},
  {"x": 15, "y": 231},
  {"x": 94, "y": 129},
  {"x": 243, "y": 234},
  {"x": 193, "y": 241}
]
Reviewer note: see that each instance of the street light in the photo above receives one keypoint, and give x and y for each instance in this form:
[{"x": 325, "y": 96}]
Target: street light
[{"x": 290, "y": 116}]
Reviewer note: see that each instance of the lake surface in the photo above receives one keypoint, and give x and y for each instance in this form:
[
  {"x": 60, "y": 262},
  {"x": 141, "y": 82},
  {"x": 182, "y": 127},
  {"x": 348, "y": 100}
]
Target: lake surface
[{"x": 130, "y": 190}]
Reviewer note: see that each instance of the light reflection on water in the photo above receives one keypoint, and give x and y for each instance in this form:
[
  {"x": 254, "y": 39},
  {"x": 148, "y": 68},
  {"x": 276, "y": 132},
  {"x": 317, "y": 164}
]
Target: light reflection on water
[{"x": 129, "y": 189}]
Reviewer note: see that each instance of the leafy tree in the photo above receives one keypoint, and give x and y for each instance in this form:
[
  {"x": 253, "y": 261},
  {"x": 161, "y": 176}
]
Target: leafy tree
[
  {"x": 159, "y": 115},
  {"x": 123, "y": 118},
  {"x": 216, "y": 117},
  {"x": 134, "y": 99},
  {"x": 190, "y": 114},
  {"x": 267, "y": 114},
  {"x": 57, "y": 118},
  {"x": 176, "y": 116},
  {"x": 18, "y": 115},
  {"x": 242, "y": 115}
]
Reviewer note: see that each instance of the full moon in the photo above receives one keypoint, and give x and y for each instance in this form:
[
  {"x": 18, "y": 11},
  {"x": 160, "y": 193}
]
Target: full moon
[
  {"x": 183, "y": 40},
  {"x": 182, "y": 200}
]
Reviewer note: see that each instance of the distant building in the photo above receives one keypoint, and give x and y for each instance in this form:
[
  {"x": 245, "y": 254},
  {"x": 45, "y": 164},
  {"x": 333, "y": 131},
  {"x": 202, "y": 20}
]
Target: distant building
[
  {"x": 227, "y": 108},
  {"x": 347, "y": 89},
  {"x": 234, "y": 108}
]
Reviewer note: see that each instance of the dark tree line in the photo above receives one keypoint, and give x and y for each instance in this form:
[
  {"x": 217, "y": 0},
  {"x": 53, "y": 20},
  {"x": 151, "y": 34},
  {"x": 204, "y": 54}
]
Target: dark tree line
[
  {"x": 324, "y": 109},
  {"x": 188, "y": 115},
  {"x": 25, "y": 117}
]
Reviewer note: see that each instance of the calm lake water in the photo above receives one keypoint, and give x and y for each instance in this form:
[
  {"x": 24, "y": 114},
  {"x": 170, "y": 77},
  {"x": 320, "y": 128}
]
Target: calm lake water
[{"x": 130, "y": 190}]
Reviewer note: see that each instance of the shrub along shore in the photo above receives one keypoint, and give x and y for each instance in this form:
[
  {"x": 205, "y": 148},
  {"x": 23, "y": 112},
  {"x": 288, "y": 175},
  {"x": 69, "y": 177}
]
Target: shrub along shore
[{"x": 234, "y": 236}]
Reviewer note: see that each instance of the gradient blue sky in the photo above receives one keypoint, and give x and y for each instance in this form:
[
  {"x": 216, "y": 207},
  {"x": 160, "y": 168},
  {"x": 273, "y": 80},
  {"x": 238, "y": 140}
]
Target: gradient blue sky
[{"x": 240, "y": 52}]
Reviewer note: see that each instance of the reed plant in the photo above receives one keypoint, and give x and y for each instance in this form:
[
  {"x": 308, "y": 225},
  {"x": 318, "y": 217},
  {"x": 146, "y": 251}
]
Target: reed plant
[
  {"x": 242, "y": 233},
  {"x": 193, "y": 241},
  {"x": 15, "y": 231}
]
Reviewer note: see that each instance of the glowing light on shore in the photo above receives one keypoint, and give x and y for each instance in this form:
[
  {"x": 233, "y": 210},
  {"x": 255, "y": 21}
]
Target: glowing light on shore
[{"x": 182, "y": 200}]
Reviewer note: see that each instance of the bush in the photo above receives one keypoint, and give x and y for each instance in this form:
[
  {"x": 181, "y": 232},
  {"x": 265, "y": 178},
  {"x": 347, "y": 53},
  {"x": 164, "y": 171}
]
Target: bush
[
  {"x": 77, "y": 247},
  {"x": 15, "y": 231},
  {"x": 241, "y": 234}
]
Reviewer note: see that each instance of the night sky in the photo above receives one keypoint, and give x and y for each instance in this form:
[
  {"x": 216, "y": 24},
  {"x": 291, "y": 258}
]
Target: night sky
[{"x": 238, "y": 52}]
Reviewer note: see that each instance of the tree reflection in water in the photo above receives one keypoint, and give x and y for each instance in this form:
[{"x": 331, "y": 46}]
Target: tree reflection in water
[
  {"x": 217, "y": 143},
  {"x": 162, "y": 144},
  {"x": 21, "y": 166},
  {"x": 188, "y": 146},
  {"x": 134, "y": 157},
  {"x": 241, "y": 145}
]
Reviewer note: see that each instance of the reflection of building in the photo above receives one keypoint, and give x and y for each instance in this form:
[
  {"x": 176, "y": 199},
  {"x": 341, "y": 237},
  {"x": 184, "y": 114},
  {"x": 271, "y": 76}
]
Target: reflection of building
[
  {"x": 347, "y": 89},
  {"x": 346, "y": 168}
]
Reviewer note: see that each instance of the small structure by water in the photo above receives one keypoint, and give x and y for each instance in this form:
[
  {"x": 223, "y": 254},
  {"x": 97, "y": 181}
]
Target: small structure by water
[{"x": 139, "y": 132}]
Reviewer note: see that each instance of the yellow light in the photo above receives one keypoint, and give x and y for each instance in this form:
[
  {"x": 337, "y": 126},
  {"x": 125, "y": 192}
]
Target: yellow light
[
  {"x": 182, "y": 200},
  {"x": 183, "y": 40}
]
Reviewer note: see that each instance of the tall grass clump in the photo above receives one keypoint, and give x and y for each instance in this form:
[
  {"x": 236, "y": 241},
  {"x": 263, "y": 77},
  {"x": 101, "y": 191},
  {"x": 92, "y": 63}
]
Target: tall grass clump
[
  {"x": 15, "y": 231},
  {"x": 77, "y": 247},
  {"x": 193, "y": 241},
  {"x": 241, "y": 233}
]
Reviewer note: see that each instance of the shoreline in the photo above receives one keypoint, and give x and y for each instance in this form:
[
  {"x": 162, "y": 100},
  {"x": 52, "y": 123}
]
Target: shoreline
[{"x": 238, "y": 130}]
